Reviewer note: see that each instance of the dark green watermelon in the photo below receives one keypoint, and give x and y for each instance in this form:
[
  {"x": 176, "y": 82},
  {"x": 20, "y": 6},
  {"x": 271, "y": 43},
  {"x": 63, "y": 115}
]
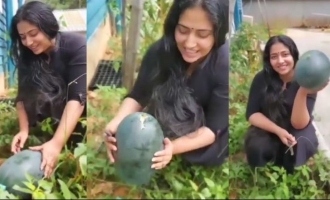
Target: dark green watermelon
[
  {"x": 139, "y": 136},
  {"x": 312, "y": 70},
  {"x": 13, "y": 171}
]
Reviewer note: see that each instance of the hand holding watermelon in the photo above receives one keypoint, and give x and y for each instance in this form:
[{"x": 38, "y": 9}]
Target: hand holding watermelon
[
  {"x": 110, "y": 142},
  {"x": 162, "y": 158},
  {"x": 18, "y": 141},
  {"x": 138, "y": 137},
  {"x": 50, "y": 153}
]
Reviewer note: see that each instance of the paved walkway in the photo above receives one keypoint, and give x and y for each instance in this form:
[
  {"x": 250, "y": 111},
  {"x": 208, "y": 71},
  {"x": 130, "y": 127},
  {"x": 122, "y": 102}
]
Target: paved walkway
[{"x": 319, "y": 40}]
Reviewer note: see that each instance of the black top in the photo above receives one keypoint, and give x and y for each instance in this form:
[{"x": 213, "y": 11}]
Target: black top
[
  {"x": 256, "y": 97},
  {"x": 210, "y": 90},
  {"x": 69, "y": 62}
]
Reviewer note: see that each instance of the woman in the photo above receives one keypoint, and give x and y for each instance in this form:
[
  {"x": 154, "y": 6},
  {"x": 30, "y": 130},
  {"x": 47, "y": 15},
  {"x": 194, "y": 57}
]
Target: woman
[
  {"x": 184, "y": 80},
  {"x": 51, "y": 79},
  {"x": 280, "y": 111}
]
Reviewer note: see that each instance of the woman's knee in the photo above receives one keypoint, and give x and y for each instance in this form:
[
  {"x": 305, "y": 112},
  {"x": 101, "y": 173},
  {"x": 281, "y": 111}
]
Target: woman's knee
[
  {"x": 307, "y": 144},
  {"x": 306, "y": 138}
]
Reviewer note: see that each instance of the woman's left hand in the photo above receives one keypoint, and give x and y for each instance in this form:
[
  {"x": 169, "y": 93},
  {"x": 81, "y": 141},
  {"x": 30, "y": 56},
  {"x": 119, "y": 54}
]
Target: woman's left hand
[
  {"x": 50, "y": 153},
  {"x": 162, "y": 158}
]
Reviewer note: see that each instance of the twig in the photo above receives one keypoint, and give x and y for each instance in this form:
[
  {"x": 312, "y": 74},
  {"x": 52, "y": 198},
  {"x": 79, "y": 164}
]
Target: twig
[
  {"x": 74, "y": 81},
  {"x": 291, "y": 146},
  {"x": 221, "y": 152}
]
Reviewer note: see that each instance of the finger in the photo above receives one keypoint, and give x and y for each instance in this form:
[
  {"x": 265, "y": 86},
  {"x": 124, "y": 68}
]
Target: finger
[
  {"x": 286, "y": 142},
  {"x": 167, "y": 141},
  {"x": 111, "y": 146},
  {"x": 17, "y": 150},
  {"x": 111, "y": 158},
  {"x": 158, "y": 159},
  {"x": 36, "y": 148},
  {"x": 48, "y": 171},
  {"x": 14, "y": 144},
  {"x": 158, "y": 166},
  {"x": 43, "y": 164},
  {"x": 290, "y": 137},
  {"x": 51, "y": 163},
  {"x": 22, "y": 141},
  {"x": 111, "y": 139},
  {"x": 160, "y": 153},
  {"x": 294, "y": 143}
]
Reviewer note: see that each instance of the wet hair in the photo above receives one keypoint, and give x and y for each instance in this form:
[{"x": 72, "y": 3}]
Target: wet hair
[
  {"x": 274, "y": 97},
  {"x": 40, "y": 88},
  {"x": 171, "y": 101}
]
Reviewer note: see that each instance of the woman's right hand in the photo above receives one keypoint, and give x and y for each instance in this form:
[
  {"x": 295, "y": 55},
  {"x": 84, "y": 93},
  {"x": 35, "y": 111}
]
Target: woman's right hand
[
  {"x": 287, "y": 139},
  {"x": 110, "y": 142},
  {"x": 18, "y": 141}
]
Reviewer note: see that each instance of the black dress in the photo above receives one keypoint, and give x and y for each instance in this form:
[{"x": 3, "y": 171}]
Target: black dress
[
  {"x": 211, "y": 92},
  {"x": 67, "y": 61},
  {"x": 262, "y": 147}
]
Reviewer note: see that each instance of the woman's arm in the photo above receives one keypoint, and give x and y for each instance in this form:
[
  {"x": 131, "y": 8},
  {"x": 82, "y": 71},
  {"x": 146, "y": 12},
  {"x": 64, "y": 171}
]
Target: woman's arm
[
  {"x": 128, "y": 106},
  {"x": 76, "y": 89},
  {"x": 261, "y": 121},
  {"x": 22, "y": 117},
  {"x": 20, "y": 109},
  {"x": 69, "y": 120},
  {"x": 198, "y": 139},
  {"x": 303, "y": 106}
]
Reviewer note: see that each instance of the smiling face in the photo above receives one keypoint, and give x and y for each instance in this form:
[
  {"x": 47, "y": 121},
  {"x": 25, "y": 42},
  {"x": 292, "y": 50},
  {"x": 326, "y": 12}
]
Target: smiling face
[
  {"x": 33, "y": 38},
  {"x": 194, "y": 34},
  {"x": 281, "y": 59}
]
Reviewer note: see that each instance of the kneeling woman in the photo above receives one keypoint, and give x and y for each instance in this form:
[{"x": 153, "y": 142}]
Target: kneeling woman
[
  {"x": 51, "y": 69},
  {"x": 183, "y": 82},
  {"x": 280, "y": 111}
]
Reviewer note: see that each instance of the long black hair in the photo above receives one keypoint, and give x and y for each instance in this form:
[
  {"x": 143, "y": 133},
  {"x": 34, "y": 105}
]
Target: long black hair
[
  {"x": 39, "y": 86},
  {"x": 171, "y": 100},
  {"x": 274, "y": 96}
]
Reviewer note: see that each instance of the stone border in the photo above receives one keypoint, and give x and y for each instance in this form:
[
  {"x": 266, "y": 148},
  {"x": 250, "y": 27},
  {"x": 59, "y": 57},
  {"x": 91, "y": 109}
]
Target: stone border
[{"x": 322, "y": 143}]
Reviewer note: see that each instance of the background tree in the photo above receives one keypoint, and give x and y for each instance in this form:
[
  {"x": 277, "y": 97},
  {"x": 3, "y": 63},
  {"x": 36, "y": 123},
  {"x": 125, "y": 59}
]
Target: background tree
[{"x": 64, "y": 4}]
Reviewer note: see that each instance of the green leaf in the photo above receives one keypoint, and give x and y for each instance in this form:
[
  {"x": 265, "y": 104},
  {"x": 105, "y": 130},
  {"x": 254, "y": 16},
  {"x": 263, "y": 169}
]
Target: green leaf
[
  {"x": 65, "y": 190},
  {"x": 193, "y": 185},
  {"x": 83, "y": 164},
  {"x": 209, "y": 182},
  {"x": 80, "y": 150}
]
